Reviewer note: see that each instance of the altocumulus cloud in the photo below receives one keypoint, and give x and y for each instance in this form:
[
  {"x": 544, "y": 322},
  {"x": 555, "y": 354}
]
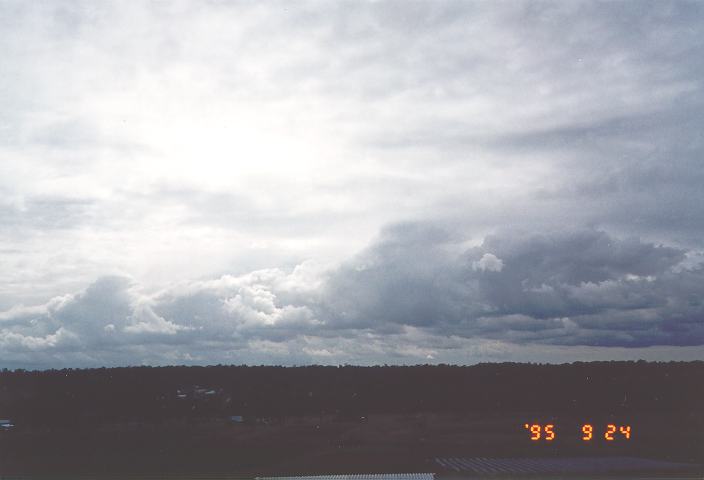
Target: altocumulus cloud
[{"x": 417, "y": 294}]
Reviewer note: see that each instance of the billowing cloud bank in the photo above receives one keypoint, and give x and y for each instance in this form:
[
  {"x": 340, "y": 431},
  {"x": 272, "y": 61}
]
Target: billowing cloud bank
[{"x": 418, "y": 294}]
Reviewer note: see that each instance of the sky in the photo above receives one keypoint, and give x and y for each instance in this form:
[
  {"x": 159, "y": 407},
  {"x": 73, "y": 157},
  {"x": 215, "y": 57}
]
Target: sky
[{"x": 383, "y": 182}]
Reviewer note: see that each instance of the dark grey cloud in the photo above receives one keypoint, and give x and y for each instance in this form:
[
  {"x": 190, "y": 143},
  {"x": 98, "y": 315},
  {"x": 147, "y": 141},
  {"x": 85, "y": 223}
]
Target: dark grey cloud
[{"x": 581, "y": 287}]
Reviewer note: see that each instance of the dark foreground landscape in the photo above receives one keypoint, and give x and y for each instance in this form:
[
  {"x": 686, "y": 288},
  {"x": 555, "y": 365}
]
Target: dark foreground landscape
[{"x": 319, "y": 420}]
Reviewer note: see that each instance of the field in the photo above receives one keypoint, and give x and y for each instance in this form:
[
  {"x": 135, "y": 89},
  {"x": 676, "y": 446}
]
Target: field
[{"x": 323, "y": 444}]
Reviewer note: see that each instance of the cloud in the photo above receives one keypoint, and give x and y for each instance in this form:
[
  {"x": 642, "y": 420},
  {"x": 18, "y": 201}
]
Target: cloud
[
  {"x": 418, "y": 292},
  {"x": 185, "y": 178},
  {"x": 488, "y": 262},
  {"x": 579, "y": 288}
]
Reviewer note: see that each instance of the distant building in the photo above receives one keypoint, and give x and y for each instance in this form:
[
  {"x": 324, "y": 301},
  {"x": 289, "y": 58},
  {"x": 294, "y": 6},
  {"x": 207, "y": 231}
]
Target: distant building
[
  {"x": 236, "y": 419},
  {"x": 586, "y": 467},
  {"x": 197, "y": 392},
  {"x": 6, "y": 425},
  {"x": 372, "y": 476}
]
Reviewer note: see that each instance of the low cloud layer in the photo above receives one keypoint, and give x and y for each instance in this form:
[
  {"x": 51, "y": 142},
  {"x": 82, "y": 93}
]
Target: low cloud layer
[
  {"x": 417, "y": 294},
  {"x": 566, "y": 288}
]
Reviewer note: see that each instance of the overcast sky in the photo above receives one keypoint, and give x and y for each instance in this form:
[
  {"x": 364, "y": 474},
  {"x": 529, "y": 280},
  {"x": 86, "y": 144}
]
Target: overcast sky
[{"x": 350, "y": 182}]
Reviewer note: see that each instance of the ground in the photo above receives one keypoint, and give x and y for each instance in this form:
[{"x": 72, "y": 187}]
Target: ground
[{"x": 320, "y": 444}]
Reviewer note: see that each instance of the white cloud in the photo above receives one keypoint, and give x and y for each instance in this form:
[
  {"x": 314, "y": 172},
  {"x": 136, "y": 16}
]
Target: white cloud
[
  {"x": 488, "y": 262},
  {"x": 12, "y": 341},
  {"x": 144, "y": 320}
]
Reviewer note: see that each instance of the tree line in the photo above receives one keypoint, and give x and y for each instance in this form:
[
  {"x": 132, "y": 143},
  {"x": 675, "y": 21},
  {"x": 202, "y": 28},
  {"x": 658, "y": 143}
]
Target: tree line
[{"x": 157, "y": 394}]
